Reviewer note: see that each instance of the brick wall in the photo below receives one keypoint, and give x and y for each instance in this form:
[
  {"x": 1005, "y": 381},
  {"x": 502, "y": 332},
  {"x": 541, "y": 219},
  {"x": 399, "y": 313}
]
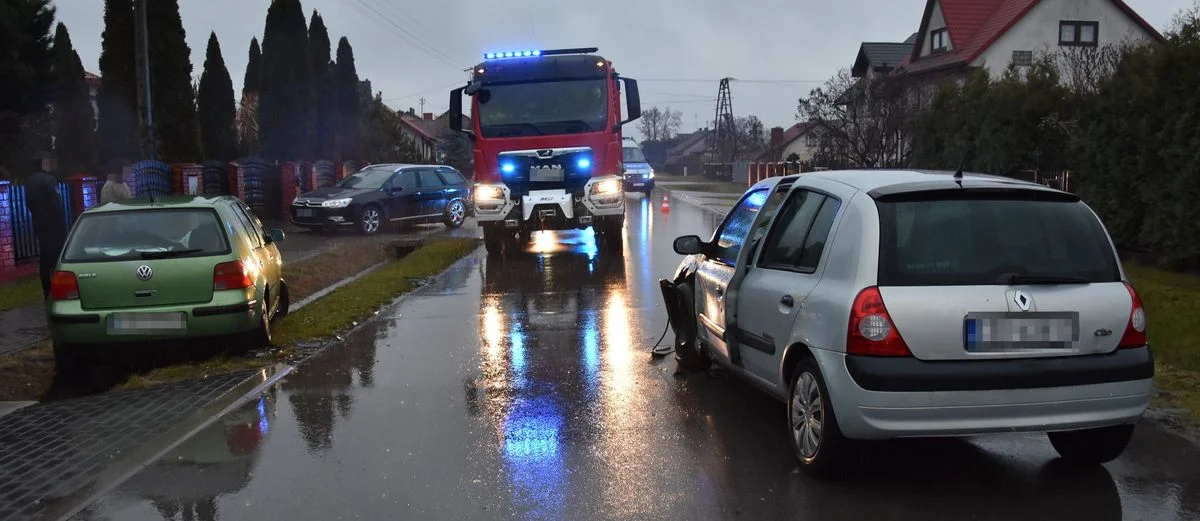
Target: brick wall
[
  {"x": 7, "y": 261},
  {"x": 85, "y": 193},
  {"x": 287, "y": 186},
  {"x": 237, "y": 181}
]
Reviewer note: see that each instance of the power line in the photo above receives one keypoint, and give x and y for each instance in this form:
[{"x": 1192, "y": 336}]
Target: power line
[
  {"x": 442, "y": 41},
  {"x": 418, "y": 42},
  {"x": 415, "y": 94},
  {"x": 680, "y": 80}
]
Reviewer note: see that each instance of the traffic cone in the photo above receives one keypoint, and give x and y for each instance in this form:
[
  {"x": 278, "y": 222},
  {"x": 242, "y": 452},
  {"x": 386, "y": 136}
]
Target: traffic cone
[{"x": 666, "y": 206}]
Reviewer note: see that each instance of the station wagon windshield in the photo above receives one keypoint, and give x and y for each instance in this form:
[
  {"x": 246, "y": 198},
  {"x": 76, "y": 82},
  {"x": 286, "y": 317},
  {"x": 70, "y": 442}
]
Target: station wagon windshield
[
  {"x": 119, "y": 236},
  {"x": 368, "y": 178}
]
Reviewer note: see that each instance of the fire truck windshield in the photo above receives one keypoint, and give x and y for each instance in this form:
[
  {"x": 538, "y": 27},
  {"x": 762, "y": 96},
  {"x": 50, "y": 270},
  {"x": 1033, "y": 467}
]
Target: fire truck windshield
[{"x": 543, "y": 108}]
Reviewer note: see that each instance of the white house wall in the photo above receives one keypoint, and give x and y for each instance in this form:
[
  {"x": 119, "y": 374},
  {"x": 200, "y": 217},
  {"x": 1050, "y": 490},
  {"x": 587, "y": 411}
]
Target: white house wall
[
  {"x": 1038, "y": 30},
  {"x": 799, "y": 147},
  {"x": 936, "y": 21}
]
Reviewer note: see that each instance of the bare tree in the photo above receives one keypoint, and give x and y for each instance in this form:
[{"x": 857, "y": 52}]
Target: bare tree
[
  {"x": 868, "y": 121},
  {"x": 749, "y": 138},
  {"x": 660, "y": 124},
  {"x": 1083, "y": 68}
]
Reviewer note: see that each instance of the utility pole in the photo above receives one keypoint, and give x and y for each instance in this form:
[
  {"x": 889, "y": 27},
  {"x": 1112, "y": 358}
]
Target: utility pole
[
  {"x": 145, "y": 103},
  {"x": 724, "y": 131}
]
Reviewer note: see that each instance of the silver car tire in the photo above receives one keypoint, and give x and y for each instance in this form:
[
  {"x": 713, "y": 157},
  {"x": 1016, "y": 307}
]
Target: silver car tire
[{"x": 816, "y": 440}]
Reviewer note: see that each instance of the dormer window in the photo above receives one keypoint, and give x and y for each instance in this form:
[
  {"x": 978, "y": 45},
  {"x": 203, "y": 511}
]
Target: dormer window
[{"x": 939, "y": 40}]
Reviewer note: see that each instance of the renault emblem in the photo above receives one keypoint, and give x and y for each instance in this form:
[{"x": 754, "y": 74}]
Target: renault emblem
[
  {"x": 1022, "y": 300},
  {"x": 144, "y": 273}
]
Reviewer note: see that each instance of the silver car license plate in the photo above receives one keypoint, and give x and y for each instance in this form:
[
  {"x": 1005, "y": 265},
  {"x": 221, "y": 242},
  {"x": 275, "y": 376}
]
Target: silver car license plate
[
  {"x": 304, "y": 212},
  {"x": 998, "y": 332},
  {"x": 137, "y": 323}
]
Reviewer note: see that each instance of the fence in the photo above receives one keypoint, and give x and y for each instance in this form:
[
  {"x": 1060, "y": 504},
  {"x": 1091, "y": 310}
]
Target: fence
[
  {"x": 266, "y": 187},
  {"x": 24, "y": 237},
  {"x": 756, "y": 172}
]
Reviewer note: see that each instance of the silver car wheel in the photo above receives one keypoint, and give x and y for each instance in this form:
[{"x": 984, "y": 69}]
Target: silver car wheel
[
  {"x": 370, "y": 220},
  {"x": 808, "y": 415},
  {"x": 458, "y": 212}
]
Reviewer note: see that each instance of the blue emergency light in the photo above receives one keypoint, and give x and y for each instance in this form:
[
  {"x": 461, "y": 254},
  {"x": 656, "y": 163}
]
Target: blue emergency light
[
  {"x": 512, "y": 54},
  {"x": 536, "y": 53}
]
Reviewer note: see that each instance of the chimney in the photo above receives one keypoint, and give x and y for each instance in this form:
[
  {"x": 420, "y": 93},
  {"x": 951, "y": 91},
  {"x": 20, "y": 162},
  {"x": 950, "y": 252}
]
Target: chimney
[
  {"x": 776, "y": 137},
  {"x": 428, "y": 116}
]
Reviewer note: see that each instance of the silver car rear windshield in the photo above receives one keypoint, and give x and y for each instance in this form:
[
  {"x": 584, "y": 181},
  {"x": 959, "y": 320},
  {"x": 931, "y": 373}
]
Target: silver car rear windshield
[
  {"x": 991, "y": 239},
  {"x": 146, "y": 234}
]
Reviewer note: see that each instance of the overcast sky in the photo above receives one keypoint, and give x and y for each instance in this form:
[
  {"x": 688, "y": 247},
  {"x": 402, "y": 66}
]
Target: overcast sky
[{"x": 677, "y": 49}]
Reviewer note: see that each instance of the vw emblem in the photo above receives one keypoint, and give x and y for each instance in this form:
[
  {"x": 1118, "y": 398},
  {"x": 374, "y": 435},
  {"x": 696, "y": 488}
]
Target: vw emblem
[
  {"x": 1022, "y": 300},
  {"x": 144, "y": 272}
]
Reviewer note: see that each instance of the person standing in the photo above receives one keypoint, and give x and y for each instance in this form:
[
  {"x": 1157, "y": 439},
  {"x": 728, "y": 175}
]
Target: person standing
[
  {"x": 49, "y": 221},
  {"x": 114, "y": 189}
]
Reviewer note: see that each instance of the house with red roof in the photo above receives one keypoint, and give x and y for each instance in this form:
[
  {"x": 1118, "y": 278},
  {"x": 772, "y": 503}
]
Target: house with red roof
[
  {"x": 422, "y": 130},
  {"x": 958, "y": 35}
]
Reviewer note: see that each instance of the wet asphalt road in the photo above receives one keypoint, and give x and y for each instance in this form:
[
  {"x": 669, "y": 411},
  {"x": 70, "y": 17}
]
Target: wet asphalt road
[{"x": 523, "y": 389}]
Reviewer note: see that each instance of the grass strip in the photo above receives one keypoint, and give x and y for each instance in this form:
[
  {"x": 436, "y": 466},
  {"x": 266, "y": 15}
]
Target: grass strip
[
  {"x": 25, "y": 291},
  {"x": 326, "y": 316},
  {"x": 1172, "y": 302}
]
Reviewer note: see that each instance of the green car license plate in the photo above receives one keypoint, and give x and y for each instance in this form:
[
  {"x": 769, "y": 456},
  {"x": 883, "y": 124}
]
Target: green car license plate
[{"x": 142, "y": 323}]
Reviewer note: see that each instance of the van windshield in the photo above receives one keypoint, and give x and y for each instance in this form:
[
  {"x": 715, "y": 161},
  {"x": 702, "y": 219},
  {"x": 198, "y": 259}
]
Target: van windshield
[{"x": 632, "y": 155}]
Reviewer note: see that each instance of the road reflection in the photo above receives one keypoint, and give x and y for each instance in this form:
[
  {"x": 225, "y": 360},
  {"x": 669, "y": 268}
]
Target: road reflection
[
  {"x": 534, "y": 305},
  {"x": 219, "y": 460},
  {"x": 321, "y": 392}
]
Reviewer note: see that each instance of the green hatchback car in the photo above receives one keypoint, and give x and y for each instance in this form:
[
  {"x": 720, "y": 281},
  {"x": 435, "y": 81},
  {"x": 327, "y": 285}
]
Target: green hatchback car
[{"x": 161, "y": 270}]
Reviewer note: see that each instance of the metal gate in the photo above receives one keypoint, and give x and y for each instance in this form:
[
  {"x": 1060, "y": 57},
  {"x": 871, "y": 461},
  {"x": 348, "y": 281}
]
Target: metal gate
[{"x": 25, "y": 242}]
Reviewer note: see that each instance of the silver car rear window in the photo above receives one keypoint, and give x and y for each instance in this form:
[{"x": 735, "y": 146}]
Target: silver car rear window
[
  {"x": 981, "y": 240},
  {"x": 147, "y": 234}
]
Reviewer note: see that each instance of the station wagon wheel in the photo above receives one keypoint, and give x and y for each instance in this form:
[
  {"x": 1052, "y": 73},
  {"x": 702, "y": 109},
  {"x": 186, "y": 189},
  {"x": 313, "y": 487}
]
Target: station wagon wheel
[
  {"x": 456, "y": 213},
  {"x": 816, "y": 439},
  {"x": 369, "y": 220}
]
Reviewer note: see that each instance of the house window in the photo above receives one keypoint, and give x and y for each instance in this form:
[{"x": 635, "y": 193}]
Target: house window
[
  {"x": 1022, "y": 58},
  {"x": 1078, "y": 33},
  {"x": 811, "y": 140},
  {"x": 939, "y": 39}
]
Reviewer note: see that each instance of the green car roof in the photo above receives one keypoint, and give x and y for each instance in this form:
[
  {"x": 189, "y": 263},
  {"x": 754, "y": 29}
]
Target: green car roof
[{"x": 160, "y": 203}]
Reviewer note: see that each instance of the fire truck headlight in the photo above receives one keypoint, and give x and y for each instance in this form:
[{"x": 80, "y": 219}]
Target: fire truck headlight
[
  {"x": 607, "y": 187},
  {"x": 488, "y": 193}
]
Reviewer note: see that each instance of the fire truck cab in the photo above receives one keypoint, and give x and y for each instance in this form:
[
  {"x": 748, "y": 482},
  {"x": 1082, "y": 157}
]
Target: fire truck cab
[{"x": 546, "y": 137}]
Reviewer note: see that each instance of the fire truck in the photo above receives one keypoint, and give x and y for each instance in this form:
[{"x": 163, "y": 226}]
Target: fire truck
[{"x": 545, "y": 129}]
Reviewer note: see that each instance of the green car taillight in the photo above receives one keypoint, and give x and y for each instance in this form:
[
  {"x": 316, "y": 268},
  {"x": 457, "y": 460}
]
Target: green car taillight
[
  {"x": 64, "y": 286},
  {"x": 231, "y": 275}
]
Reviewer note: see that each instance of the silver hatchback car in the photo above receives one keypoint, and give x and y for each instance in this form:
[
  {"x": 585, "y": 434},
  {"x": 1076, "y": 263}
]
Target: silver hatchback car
[{"x": 886, "y": 304}]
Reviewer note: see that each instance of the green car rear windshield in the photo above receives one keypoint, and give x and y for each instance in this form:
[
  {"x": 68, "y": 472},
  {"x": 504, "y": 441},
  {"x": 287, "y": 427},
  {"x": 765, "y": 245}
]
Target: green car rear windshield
[{"x": 147, "y": 234}]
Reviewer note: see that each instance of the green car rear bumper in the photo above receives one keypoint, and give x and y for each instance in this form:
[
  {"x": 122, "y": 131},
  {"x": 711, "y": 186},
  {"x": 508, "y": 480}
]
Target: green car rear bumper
[{"x": 228, "y": 313}]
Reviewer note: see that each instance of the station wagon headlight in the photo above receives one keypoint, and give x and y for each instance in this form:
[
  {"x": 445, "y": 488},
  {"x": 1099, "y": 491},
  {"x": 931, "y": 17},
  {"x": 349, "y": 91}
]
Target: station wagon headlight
[
  {"x": 336, "y": 203},
  {"x": 651, "y": 174}
]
